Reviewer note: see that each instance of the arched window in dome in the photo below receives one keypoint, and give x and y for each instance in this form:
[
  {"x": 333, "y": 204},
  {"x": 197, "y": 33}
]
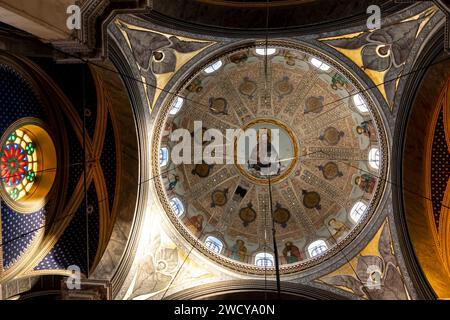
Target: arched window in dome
[
  {"x": 264, "y": 259},
  {"x": 357, "y": 211},
  {"x": 18, "y": 164},
  {"x": 317, "y": 247},
  {"x": 176, "y": 106},
  {"x": 214, "y": 244},
  {"x": 320, "y": 64},
  {"x": 265, "y": 51},
  {"x": 163, "y": 156},
  {"x": 360, "y": 104},
  {"x": 177, "y": 206},
  {"x": 214, "y": 67},
  {"x": 374, "y": 158}
]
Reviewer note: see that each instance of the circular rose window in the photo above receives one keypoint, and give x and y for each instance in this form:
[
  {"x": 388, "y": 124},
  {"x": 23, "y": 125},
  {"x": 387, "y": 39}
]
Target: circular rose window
[
  {"x": 316, "y": 166},
  {"x": 27, "y": 165}
]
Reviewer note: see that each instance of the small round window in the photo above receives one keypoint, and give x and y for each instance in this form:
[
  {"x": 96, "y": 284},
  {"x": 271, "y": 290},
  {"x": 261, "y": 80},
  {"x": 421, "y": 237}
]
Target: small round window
[{"x": 27, "y": 166}]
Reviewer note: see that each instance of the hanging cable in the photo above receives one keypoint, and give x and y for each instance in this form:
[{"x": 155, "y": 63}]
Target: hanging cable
[{"x": 85, "y": 187}]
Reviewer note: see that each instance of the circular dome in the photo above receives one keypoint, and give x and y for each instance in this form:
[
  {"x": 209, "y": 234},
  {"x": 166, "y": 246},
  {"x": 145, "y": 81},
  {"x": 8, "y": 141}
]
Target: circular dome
[
  {"x": 323, "y": 139},
  {"x": 27, "y": 165}
]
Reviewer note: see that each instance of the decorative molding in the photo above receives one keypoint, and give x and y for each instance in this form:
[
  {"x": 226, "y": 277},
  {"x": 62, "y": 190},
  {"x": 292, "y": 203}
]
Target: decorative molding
[
  {"x": 91, "y": 42},
  {"x": 382, "y": 54},
  {"x": 374, "y": 273},
  {"x": 209, "y": 291}
]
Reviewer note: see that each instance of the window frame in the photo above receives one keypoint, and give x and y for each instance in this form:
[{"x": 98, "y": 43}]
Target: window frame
[
  {"x": 357, "y": 210},
  {"x": 361, "y": 104},
  {"x": 214, "y": 241},
  {"x": 163, "y": 156},
  {"x": 319, "y": 64},
  {"x": 264, "y": 256},
  {"x": 261, "y": 51},
  {"x": 213, "y": 67},
  {"x": 176, "y": 106},
  {"x": 179, "y": 209},
  {"x": 316, "y": 245},
  {"x": 374, "y": 158}
]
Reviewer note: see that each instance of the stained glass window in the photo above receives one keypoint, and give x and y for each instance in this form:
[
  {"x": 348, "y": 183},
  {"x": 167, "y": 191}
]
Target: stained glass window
[
  {"x": 18, "y": 164},
  {"x": 264, "y": 259},
  {"x": 317, "y": 247},
  {"x": 214, "y": 244}
]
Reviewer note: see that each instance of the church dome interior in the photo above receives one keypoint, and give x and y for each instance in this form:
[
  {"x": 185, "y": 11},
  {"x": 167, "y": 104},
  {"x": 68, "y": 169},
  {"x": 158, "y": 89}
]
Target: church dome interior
[
  {"x": 224, "y": 150},
  {"x": 323, "y": 186}
]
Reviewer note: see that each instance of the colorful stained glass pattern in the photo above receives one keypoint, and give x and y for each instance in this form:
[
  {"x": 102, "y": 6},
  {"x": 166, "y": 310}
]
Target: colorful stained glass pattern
[{"x": 18, "y": 164}]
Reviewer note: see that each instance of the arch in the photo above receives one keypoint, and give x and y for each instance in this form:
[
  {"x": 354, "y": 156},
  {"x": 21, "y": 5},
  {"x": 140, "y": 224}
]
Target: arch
[{"x": 250, "y": 288}]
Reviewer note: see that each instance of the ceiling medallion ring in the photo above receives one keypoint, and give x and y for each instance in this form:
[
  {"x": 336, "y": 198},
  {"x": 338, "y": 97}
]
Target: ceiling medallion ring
[
  {"x": 294, "y": 157},
  {"x": 310, "y": 262}
]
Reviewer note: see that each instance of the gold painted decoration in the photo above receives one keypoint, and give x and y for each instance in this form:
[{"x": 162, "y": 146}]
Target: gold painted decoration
[
  {"x": 248, "y": 88},
  {"x": 330, "y": 171},
  {"x": 281, "y": 215},
  {"x": 382, "y": 53},
  {"x": 202, "y": 170},
  {"x": 311, "y": 200},
  {"x": 218, "y": 106},
  {"x": 374, "y": 274},
  {"x": 247, "y": 214},
  {"x": 158, "y": 55},
  {"x": 331, "y": 136},
  {"x": 219, "y": 198},
  {"x": 283, "y": 88},
  {"x": 314, "y": 104}
]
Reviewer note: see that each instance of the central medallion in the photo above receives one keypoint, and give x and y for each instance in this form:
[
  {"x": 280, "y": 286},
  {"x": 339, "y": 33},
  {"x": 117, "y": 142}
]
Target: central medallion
[{"x": 272, "y": 155}]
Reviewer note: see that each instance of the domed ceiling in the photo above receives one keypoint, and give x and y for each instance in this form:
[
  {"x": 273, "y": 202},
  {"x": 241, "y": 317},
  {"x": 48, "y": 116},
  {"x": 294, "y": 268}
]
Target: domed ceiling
[{"x": 324, "y": 183}]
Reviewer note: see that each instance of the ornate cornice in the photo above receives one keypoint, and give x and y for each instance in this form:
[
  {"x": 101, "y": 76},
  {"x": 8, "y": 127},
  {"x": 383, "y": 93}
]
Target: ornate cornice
[
  {"x": 91, "y": 42},
  {"x": 209, "y": 291}
]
